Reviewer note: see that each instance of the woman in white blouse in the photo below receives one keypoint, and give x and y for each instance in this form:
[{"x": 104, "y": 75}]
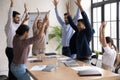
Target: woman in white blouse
[{"x": 110, "y": 50}]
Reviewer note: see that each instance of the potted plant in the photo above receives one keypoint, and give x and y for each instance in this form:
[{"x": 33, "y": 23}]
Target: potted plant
[
  {"x": 97, "y": 53},
  {"x": 57, "y": 34}
]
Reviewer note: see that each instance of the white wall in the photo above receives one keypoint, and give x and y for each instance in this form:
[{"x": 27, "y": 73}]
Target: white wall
[
  {"x": 86, "y": 6},
  {"x": 43, "y": 5}
]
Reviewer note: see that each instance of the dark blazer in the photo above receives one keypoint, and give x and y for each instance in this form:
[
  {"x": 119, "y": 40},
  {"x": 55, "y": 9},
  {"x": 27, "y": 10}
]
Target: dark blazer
[{"x": 79, "y": 43}]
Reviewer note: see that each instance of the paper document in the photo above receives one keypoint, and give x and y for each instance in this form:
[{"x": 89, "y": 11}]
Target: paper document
[
  {"x": 52, "y": 56},
  {"x": 64, "y": 59},
  {"x": 80, "y": 68},
  {"x": 32, "y": 59},
  {"x": 36, "y": 68}
]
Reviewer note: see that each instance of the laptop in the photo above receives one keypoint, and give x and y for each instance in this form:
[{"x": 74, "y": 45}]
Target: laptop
[{"x": 89, "y": 72}]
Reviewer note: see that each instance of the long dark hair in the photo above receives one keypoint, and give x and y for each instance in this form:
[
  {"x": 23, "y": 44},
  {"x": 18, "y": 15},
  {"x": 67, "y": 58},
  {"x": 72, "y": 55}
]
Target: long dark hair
[
  {"x": 22, "y": 29},
  {"x": 117, "y": 60},
  {"x": 110, "y": 40}
]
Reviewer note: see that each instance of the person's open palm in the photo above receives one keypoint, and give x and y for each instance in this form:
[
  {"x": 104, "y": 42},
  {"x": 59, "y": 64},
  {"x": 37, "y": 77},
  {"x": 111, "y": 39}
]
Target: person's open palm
[{"x": 55, "y": 2}]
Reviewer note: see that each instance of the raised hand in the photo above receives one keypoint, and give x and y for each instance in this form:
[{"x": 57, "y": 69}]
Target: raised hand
[
  {"x": 55, "y": 2},
  {"x": 46, "y": 16},
  {"x": 25, "y": 7},
  {"x": 36, "y": 18},
  {"x": 68, "y": 6},
  {"x": 38, "y": 12},
  {"x": 11, "y": 4},
  {"x": 78, "y": 3},
  {"x": 103, "y": 25},
  {"x": 26, "y": 17}
]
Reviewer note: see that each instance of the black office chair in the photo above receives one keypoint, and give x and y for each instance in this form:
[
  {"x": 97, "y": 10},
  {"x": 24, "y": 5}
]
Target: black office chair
[
  {"x": 117, "y": 69},
  {"x": 3, "y": 77},
  {"x": 94, "y": 57}
]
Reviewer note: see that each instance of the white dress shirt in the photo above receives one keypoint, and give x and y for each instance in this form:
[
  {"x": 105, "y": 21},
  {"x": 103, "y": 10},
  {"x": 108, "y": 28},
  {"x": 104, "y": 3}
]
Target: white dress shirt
[
  {"x": 11, "y": 27},
  {"x": 67, "y": 30}
]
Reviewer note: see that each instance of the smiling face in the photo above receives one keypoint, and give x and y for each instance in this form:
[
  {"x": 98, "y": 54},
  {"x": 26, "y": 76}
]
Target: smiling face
[
  {"x": 65, "y": 18},
  {"x": 16, "y": 19},
  {"x": 39, "y": 23},
  {"x": 80, "y": 25}
]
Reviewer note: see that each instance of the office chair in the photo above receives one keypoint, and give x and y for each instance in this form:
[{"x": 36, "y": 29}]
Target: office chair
[{"x": 117, "y": 69}]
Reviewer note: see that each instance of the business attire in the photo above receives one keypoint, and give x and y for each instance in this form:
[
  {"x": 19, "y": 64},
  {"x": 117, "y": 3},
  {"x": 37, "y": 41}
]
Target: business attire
[
  {"x": 80, "y": 40},
  {"x": 10, "y": 29},
  {"x": 67, "y": 33},
  {"x": 21, "y": 50},
  {"x": 108, "y": 58}
]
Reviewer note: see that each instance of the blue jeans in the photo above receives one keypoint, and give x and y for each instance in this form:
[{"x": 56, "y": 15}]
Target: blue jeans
[{"x": 20, "y": 71}]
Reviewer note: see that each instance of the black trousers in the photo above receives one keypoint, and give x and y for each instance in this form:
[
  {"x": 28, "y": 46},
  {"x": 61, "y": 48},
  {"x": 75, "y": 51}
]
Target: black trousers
[
  {"x": 66, "y": 51},
  {"x": 9, "y": 54}
]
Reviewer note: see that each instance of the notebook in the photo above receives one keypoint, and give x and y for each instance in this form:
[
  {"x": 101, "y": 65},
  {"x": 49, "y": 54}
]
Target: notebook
[
  {"x": 49, "y": 68},
  {"x": 89, "y": 72},
  {"x": 52, "y": 53},
  {"x": 71, "y": 63},
  {"x": 34, "y": 60}
]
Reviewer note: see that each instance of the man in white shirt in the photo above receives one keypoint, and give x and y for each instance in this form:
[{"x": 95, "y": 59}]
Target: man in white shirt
[{"x": 13, "y": 23}]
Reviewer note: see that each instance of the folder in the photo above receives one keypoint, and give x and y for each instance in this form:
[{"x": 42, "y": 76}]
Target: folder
[
  {"x": 88, "y": 72},
  {"x": 51, "y": 53},
  {"x": 49, "y": 68}
]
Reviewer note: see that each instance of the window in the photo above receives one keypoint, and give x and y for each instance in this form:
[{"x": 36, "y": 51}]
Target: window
[
  {"x": 106, "y": 11},
  {"x": 96, "y": 24},
  {"x": 106, "y": 0},
  {"x": 113, "y": 11},
  {"x": 96, "y": 1}
]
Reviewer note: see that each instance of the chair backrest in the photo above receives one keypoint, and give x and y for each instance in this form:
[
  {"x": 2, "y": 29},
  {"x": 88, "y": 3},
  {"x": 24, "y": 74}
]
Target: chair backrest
[
  {"x": 117, "y": 61},
  {"x": 3, "y": 77}
]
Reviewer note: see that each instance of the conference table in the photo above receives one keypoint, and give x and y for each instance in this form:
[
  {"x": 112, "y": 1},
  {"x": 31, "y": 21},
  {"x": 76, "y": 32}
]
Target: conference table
[{"x": 62, "y": 72}]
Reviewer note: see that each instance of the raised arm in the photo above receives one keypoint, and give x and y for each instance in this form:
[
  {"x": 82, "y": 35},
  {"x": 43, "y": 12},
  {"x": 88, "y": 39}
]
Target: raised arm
[
  {"x": 42, "y": 30},
  {"x": 70, "y": 18},
  {"x": 102, "y": 34},
  {"x": 36, "y": 20},
  {"x": 89, "y": 28},
  {"x": 85, "y": 17},
  {"x": 55, "y": 2},
  {"x": 23, "y": 19},
  {"x": 10, "y": 13},
  {"x": 47, "y": 22},
  {"x": 77, "y": 16}
]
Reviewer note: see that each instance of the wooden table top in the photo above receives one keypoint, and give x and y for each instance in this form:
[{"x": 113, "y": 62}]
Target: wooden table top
[{"x": 65, "y": 73}]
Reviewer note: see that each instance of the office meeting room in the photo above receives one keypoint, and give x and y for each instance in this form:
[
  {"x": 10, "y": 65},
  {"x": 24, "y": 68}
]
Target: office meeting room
[{"x": 60, "y": 40}]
